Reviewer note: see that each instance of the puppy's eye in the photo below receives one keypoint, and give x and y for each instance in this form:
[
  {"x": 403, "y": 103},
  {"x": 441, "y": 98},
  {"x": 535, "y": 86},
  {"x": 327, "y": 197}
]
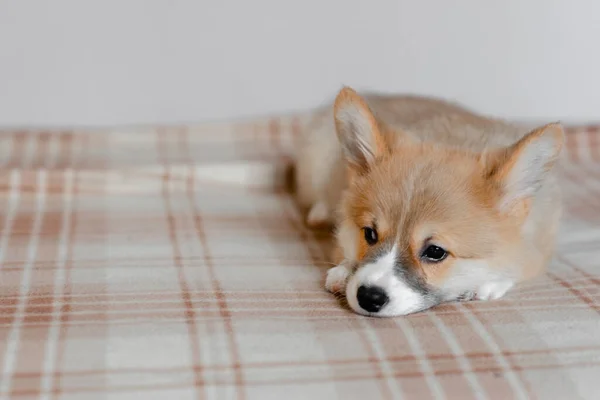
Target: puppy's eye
[
  {"x": 370, "y": 235},
  {"x": 434, "y": 253}
]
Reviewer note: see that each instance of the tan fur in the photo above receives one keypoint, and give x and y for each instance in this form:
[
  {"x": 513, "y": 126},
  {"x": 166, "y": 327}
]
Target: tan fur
[{"x": 439, "y": 176}]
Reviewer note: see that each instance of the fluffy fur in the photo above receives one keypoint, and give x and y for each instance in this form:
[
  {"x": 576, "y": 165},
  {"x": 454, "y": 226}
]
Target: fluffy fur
[{"x": 424, "y": 172}]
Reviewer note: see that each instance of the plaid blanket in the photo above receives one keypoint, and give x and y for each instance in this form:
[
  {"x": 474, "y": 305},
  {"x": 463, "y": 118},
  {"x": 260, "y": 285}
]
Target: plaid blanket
[{"x": 171, "y": 263}]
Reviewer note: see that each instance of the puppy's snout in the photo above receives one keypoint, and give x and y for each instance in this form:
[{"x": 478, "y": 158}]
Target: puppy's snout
[{"x": 371, "y": 298}]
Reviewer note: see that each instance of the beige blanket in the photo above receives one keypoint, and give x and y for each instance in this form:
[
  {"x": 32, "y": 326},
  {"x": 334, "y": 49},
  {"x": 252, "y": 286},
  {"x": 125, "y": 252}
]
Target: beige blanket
[{"x": 170, "y": 263}]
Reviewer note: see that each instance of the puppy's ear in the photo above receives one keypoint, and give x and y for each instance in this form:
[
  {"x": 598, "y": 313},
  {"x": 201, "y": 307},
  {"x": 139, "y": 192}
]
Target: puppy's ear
[
  {"x": 519, "y": 170},
  {"x": 358, "y": 131}
]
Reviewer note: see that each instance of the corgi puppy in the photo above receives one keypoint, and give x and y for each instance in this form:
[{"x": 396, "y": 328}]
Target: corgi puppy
[{"x": 431, "y": 203}]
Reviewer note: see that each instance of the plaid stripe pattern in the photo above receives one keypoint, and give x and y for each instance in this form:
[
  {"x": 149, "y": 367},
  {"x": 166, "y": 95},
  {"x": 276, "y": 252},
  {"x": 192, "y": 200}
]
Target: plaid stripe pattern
[{"x": 170, "y": 262}]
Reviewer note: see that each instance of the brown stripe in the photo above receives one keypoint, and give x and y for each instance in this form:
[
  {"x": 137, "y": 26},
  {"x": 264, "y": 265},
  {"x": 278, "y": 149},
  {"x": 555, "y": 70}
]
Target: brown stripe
[
  {"x": 595, "y": 280},
  {"x": 65, "y": 152},
  {"x": 190, "y": 314},
  {"x": 533, "y": 353},
  {"x": 325, "y": 379},
  {"x": 100, "y": 319},
  {"x": 19, "y": 145},
  {"x": 66, "y": 300},
  {"x": 40, "y": 157},
  {"x": 578, "y": 293},
  {"x": 221, "y": 298}
]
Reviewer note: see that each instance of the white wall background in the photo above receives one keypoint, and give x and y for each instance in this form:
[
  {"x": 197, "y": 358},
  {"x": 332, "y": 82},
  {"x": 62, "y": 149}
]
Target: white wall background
[{"x": 65, "y": 62}]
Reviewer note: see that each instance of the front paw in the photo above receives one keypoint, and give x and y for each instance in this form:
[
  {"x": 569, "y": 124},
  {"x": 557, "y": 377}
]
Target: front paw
[
  {"x": 493, "y": 290},
  {"x": 466, "y": 296},
  {"x": 337, "y": 278}
]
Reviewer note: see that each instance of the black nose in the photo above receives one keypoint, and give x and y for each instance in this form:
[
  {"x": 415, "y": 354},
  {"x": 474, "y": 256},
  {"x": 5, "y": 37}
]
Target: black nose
[{"x": 371, "y": 298}]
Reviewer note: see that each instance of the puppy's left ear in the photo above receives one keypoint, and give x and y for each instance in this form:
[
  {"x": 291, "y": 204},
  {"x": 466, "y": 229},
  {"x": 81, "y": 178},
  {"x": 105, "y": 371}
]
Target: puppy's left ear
[{"x": 519, "y": 170}]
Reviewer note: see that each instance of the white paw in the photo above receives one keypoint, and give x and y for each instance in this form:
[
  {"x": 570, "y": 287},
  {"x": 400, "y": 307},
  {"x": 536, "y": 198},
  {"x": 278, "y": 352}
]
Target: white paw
[
  {"x": 493, "y": 290},
  {"x": 318, "y": 215},
  {"x": 337, "y": 278}
]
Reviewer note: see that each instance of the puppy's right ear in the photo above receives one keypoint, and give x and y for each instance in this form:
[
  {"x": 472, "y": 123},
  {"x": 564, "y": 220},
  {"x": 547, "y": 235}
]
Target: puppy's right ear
[{"x": 358, "y": 131}]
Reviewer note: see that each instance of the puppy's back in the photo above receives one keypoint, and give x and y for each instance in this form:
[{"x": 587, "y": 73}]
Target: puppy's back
[{"x": 440, "y": 121}]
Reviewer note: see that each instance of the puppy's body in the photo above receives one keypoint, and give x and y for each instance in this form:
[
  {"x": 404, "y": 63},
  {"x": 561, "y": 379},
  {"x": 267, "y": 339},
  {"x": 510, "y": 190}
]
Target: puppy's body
[{"x": 415, "y": 173}]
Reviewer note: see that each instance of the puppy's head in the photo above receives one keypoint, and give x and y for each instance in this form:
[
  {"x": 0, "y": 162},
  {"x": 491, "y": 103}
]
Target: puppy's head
[{"x": 423, "y": 224}]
